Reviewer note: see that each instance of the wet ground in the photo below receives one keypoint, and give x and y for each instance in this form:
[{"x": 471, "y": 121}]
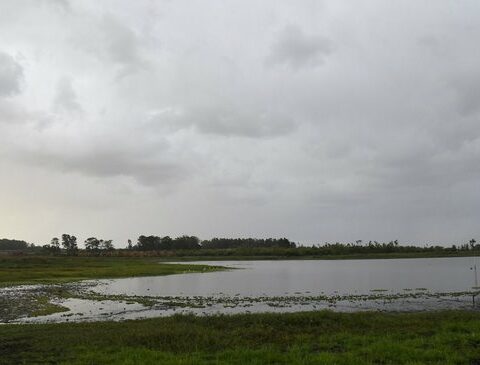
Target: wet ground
[
  {"x": 81, "y": 303},
  {"x": 262, "y": 286}
]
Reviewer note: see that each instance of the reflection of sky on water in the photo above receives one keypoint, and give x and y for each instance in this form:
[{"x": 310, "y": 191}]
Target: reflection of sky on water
[
  {"x": 276, "y": 278},
  {"x": 284, "y": 278}
]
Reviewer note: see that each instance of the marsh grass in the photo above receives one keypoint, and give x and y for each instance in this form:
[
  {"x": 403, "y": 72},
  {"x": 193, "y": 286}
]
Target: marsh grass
[
  {"x": 44, "y": 307},
  {"x": 53, "y": 270},
  {"x": 298, "y": 338}
]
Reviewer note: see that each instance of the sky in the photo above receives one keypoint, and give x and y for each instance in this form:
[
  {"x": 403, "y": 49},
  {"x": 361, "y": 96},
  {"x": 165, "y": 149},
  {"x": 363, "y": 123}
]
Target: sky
[{"x": 315, "y": 120}]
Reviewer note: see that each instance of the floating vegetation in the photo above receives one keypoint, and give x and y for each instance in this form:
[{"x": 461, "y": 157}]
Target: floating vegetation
[
  {"x": 28, "y": 301},
  {"x": 42, "y": 300},
  {"x": 43, "y": 307}
]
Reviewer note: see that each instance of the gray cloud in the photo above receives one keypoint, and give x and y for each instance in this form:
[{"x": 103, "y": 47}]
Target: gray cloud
[
  {"x": 66, "y": 98},
  {"x": 468, "y": 94},
  {"x": 10, "y": 113},
  {"x": 113, "y": 163},
  {"x": 103, "y": 157},
  {"x": 347, "y": 126},
  {"x": 11, "y": 75},
  {"x": 111, "y": 41},
  {"x": 226, "y": 121},
  {"x": 122, "y": 45},
  {"x": 296, "y": 49}
]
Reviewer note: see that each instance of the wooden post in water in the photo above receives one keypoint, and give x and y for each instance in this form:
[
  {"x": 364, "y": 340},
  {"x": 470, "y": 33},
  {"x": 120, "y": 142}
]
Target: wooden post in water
[
  {"x": 475, "y": 269},
  {"x": 472, "y": 245}
]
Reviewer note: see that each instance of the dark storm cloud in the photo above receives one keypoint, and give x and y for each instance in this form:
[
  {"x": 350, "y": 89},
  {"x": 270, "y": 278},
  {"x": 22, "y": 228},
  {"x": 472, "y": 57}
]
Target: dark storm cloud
[
  {"x": 296, "y": 49},
  {"x": 11, "y": 75}
]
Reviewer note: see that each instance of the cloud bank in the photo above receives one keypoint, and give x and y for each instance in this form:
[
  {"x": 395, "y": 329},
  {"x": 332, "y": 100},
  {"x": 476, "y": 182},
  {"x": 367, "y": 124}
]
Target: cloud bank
[{"x": 319, "y": 121}]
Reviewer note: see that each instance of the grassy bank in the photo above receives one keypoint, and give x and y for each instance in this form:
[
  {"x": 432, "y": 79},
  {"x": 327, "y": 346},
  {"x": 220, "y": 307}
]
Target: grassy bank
[
  {"x": 299, "y": 338},
  {"x": 48, "y": 270}
]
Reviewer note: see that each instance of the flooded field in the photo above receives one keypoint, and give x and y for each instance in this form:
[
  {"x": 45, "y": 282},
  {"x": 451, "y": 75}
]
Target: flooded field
[
  {"x": 274, "y": 278},
  {"x": 267, "y": 286}
]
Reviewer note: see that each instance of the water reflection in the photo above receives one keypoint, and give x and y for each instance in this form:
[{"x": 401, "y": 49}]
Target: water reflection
[
  {"x": 276, "y": 278},
  {"x": 281, "y": 286}
]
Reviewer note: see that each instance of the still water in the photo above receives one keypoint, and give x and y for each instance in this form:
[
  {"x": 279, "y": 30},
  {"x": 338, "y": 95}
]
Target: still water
[
  {"x": 277, "y": 278},
  {"x": 281, "y": 286}
]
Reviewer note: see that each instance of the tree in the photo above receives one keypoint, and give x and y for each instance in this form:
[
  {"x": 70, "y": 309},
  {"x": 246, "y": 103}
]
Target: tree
[
  {"x": 247, "y": 243},
  {"x": 92, "y": 244},
  {"x": 69, "y": 243},
  {"x": 186, "y": 242},
  {"x": 55, "y": 245},
  {"x": 106, "y": 245},
  {"x": 472, "y": 243},
  {"x": 96, "y": 246},
  {"x": 8, "y": 244},
  {"x": 129, "y": 245},
  {"x": 166, "y": 243},
  {"x": 148, "y": 243}
]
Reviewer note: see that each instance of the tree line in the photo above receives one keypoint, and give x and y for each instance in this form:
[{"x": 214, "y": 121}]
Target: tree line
[
  {"x": 248, "y": 243},
  {"x": 152, "y": 243},
  {"x": 192, "y": 245},
  {"x": 7, "y": 244},
  {"x": 68, "y": 244},
  {"x": 156, "y": 243}
]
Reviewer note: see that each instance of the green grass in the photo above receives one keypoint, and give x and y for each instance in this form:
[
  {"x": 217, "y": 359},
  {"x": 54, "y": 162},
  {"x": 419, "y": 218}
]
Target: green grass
[
  {"x": 298, "y": 338},
  {"x": 44, "y": 307},
  {"x": 49, "y": 270}
]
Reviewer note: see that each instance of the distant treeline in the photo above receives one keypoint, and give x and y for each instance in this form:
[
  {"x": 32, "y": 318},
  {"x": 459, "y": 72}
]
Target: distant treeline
[
  {"x": 226, "y": 247},
  {"x": 359, "y": 247},
  {"x": 7, "y": 244},
  {"x": 247, "y": 243},
  {"x": 193, "y": 246},
  {"x": 154, "y": 243}
]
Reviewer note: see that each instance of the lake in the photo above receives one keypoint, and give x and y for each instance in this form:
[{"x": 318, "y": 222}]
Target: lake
[
  {"x": 276, "y": 278},
  {"x": 281, "y": 286}
]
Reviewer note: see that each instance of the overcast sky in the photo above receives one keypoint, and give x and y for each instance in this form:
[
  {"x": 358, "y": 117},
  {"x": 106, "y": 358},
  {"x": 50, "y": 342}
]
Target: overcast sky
[{"x": 312, "y": 120}]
